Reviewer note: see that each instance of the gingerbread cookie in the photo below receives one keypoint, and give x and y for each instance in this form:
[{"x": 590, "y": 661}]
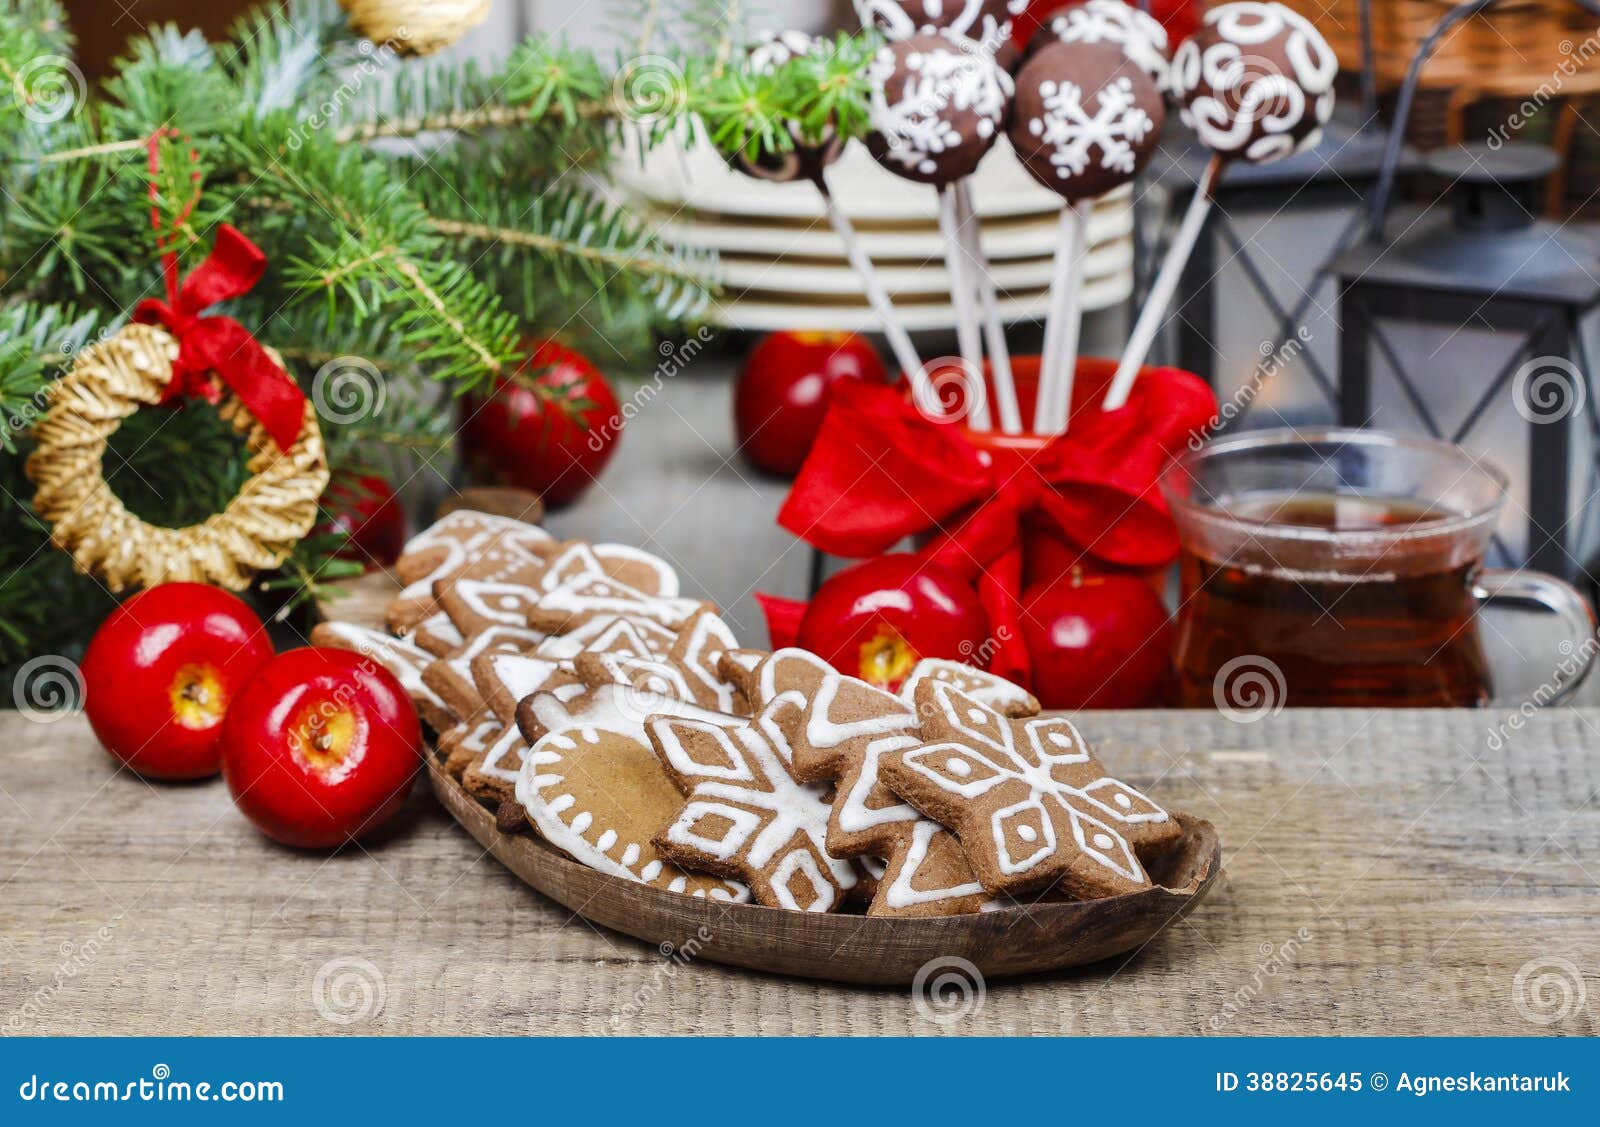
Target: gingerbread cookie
[
  {"x": 464, "y": 544},
  {"x": 467, "y": 742},
  {"x": 598, "y": 794},
  {"x": 611, "y": 633},
  {"x": 492, "y": 777},
  {"x": 403, "y": 659},
  {"x": 738, "y": 668},
  {"x": 637, "y": 569},
  {"x": 585, "y": 597},
  {"x": 505, "y": 679},
  {"x": 1031, "y": 804},
  {"x": 474, "y": 605},
  {"x": 451, "y": 678},
  {"x": 928, "y": 874},
  {"x": 437, "y": 634},
  {"x": 698, "y": 651},
  {"x": 746, "y": 816},
  {"x": 1011, "y": 699}
]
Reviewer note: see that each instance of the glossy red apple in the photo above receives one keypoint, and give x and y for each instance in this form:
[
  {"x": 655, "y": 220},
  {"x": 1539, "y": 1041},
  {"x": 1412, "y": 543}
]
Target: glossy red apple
[
  {"x": 367, "y": 512},
  {"x": 782, "y": 393},
  {"x": 161, "y": 671},
  {"x": 521, "y": 438},
  {"x": 1096, "y": 641},
  {"x": 877, "y": 619},
  {"x": 320, "y": 748}
]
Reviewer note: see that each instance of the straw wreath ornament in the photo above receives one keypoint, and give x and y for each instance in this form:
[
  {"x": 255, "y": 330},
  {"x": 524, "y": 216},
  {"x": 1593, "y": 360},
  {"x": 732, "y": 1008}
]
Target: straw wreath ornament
[
  {"x": 415, "y": 27},
  {"x": 273, "y": 511}
]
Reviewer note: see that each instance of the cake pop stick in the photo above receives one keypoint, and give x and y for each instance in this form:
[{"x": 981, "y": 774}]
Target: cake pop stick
[
  {"x": 1086, "y": 120},
  {"x": 937, "y": 101},
  {"x": 1256, "y": 84},
  {"x": 994, "y": 330},
  {"x": 808, "y": 161}
]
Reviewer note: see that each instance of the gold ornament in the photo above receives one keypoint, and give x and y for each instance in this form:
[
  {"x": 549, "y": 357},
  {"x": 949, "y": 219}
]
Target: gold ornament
[
  {"x": 273, "y": 511},
  {"x": 415, "y": 27}
]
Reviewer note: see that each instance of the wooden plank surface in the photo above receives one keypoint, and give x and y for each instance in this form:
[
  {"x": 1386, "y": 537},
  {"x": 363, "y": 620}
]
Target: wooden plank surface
[{"x": 1385, "y": 873}]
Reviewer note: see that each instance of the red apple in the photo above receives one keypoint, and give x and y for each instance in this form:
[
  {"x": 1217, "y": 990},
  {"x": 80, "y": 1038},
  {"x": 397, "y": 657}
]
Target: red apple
[
  {"x": 1096, "y": 641},
  {"x": 877, "y": 619},
  {"x": 365, "y": 509},
  {"x": 782, "y": 393},
  {"x": 160, "y": 672},
  {"x": 321, "y": 747},
  {"x": 521, "y": 438}
]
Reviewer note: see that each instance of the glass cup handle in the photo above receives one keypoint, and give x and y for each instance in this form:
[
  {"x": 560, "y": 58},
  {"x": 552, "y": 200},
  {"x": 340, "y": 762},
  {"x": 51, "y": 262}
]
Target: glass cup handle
[{"x": 1566, "y": 602}]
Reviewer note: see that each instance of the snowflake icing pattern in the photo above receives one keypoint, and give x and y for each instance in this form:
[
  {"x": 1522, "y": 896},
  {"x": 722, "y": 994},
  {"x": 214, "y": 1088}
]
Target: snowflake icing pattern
[
  {"x": 1029, "y": 796},
  {"x": 1072, "y": 134}
]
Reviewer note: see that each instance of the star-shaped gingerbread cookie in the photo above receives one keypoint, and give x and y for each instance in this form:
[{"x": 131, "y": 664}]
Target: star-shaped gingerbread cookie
[{"x": 1031, "y": 804}]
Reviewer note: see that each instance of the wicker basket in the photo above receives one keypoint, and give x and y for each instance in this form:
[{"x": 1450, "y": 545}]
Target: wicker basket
[{"x": 1512, "y": 49}]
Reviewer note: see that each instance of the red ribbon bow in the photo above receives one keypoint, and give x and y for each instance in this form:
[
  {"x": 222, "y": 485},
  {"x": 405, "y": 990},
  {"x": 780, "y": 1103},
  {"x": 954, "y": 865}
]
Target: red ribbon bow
[
  {"x": 222, "y": 345},
  {"x": 881, "y": 471},
  {"x": 219, "y": 345}
]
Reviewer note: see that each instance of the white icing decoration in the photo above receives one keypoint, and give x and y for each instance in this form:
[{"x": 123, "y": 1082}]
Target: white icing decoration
[
  {"x": 1140, "y": 35},
  {"x": 1008, "y": 764},
  {"x": 1072, "y": 135},
  {"x": 1242, "y": 89},
  {"x": 903, "y": 893},
  {"x": 916, "y": 128}
]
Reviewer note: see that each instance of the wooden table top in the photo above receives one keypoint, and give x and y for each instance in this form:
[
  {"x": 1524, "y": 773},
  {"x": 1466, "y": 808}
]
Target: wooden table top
[{"x": 1385, "y": 873}]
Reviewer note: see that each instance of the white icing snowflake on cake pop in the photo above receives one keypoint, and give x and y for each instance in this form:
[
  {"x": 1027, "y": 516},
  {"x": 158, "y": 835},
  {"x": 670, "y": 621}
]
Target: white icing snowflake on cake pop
[{"x": 1140, "y": 35}]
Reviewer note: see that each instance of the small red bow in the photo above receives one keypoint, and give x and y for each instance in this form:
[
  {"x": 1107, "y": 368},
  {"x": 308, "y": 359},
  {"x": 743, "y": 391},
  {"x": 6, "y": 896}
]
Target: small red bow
[
  {"x": 222, "y": 345},
  {"x": 881, "y": 471}
]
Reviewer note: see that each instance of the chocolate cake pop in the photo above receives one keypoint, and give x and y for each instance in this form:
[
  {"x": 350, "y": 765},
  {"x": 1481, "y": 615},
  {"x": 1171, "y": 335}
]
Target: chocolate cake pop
[
  {"x": 1255, "y": 82},
  {"x": 1086, "y": 119},
  {"x": 806, "y": 159},
  {"x": 938, "y": 103},
  {"x": 1138, "y": 33},
  {"x": 987, "y": 21}
]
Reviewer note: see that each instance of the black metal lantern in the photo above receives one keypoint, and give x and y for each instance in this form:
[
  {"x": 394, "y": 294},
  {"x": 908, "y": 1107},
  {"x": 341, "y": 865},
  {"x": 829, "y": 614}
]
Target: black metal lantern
[{"x": 1475, "y": 327}]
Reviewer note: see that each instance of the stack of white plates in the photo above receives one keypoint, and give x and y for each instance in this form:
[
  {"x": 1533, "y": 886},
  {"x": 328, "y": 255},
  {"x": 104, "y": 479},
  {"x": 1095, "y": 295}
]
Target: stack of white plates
[{"x": 782, "y": 266}]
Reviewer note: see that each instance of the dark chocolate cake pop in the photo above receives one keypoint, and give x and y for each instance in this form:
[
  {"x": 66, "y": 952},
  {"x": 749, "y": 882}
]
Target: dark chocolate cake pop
[
  {"x": 938, "y": 103},
  {"x": 1255, "y": 82},
  {"x": 1139, "y": 34},
  {"x": 987, "y": 21},
  {"x": 1086, "y": 119},
  {"x": 770, "y": 50}
]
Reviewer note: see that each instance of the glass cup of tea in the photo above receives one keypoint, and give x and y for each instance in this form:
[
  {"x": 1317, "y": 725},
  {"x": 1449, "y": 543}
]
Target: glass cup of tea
[{"x": 1344, "y": 568}]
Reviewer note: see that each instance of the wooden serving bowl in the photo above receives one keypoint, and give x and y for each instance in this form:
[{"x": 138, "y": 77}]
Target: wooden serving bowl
[{"x": 845, "y": 948}]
